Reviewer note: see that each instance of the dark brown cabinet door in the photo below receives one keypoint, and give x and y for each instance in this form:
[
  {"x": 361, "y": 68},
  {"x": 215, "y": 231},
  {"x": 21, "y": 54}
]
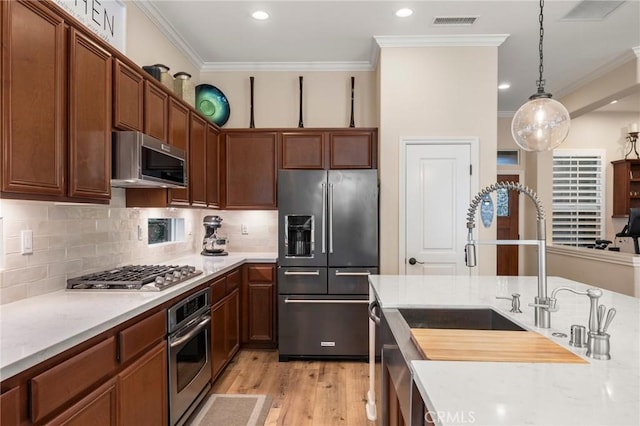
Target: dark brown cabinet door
[
  {"x": 250, "y": 170},
  {"x": 143, "y": 390},
  {"x": 99, "y": 408},
  {"x": 179, "y": 137},
  {"x": 156, "y": 105},
  {"x": 258, "y": 305},
  {"x": 213, "y": 166},
  {"x": 197, "y": 160},
  {"x": 34, "y": 96},
  {"x": 10, "y": 407},
  {"x": 232, "y": 314},
  {"x": 302, "y": 150},
  {"x": 128, "y": 98},
  {"x": 352, "y": 149},
  {"x": 89, "y": 119}
]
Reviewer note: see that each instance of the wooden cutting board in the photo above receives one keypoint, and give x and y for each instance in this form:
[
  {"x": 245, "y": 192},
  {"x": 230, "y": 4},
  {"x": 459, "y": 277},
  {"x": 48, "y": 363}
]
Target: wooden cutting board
[{"x": 490, "y": 345}]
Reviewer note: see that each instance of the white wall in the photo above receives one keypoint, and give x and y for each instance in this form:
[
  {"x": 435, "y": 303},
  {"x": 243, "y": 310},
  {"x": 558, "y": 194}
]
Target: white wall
[{"x": 434, "y": 92}]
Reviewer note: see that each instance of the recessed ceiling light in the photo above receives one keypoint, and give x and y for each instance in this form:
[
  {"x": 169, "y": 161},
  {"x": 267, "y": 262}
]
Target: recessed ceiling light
[
  {"x": 504, "y": 86},
  {"x": 260, "y": 15},
  {"x": 404, "y": 12},
  {"x": 615, "y": 101}
]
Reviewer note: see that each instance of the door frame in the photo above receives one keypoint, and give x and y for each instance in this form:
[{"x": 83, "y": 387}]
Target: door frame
[
  {"x": 474, "y": 146},
  {"x": 521, "y": 207}
]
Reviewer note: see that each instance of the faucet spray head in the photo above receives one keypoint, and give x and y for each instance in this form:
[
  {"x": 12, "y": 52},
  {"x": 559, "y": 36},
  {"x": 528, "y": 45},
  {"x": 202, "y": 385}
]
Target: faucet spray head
[{"x": 470, "y": 255}]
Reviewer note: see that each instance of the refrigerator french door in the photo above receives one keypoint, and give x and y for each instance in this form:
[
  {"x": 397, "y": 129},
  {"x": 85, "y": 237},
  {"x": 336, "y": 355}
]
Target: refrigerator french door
[{"x": 328, "y": 245}]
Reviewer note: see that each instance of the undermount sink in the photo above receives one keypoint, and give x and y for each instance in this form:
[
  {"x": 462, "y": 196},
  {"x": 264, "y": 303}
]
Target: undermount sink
[{"x": 458, "y": 318}]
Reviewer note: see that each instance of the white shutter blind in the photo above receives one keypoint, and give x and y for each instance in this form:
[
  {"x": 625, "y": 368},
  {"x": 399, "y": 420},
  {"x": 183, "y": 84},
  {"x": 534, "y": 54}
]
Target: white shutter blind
[{"x": 578, "y": 197}]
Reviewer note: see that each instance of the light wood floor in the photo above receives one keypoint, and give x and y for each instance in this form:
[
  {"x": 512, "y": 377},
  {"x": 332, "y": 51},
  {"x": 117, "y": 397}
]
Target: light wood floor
[{"x": 318, "y": 393}]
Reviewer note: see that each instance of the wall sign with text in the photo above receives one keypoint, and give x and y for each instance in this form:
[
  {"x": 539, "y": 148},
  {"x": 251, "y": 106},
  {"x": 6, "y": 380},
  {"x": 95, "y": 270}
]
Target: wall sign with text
[{"x": 106, "y": 18}]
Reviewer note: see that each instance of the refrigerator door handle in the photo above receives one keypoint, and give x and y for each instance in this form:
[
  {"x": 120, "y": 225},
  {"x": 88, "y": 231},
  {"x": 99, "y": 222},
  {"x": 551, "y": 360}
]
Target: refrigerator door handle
[
  {"x": 315, "y": 273},
  {"x": 330, "y": 218},
  {"x": 352, "y": 274},
  {"x": 324, "y": 219},
  {"x": 333, "y": 301}
]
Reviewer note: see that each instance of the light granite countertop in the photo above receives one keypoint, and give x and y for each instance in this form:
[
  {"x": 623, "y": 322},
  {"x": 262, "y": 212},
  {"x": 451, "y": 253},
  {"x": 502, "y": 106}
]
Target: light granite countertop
[
  {"x": 38, "y": 328},
  {"x": 508, "y": 393}
]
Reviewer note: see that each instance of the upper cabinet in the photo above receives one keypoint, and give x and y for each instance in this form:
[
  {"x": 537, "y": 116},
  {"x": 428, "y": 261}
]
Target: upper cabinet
[
  {"x": 49, "y": 151},
  {"x": 212, "y": 173},
  {"x": 329, "y": 149},
  {"x": 128, "y": 98},
  {"x": 197, "y": 160},
  {"x": 179, "y": 137},
  {"x": 626, "y": 186},
  {"x": 156, "y": 107},
  {"x": 250, "y": 169}
]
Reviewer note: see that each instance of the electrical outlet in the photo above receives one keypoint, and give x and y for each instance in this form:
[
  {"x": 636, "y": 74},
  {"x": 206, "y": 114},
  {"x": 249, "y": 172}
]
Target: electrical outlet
[
  {"x": 140, "y": 233},
  {"x": 27, "y": 241},
  {"x": 244, "y": 229}
]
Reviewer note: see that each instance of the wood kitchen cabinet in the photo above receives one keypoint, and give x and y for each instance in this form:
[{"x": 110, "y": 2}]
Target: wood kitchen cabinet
[
  {"x": 329, "y": 149},
  {"x": 250, "y": 170},
  {"x": 156, "y": 107},
  {"x": 212, "y": 172},
  {"x": 225, "y": 320},
  {"x": 179, "y": 137},
  {"x": 128, "y": 98},
  {"x": 143, "y": 391},
  {"x": 51, "y": 151},
  {"x": 626, "y": 186},
  {"x": 10, "y": 407},
  {"x": 197, "y": 160},
  {"x": 99, "y": 408},
  {"x": 258, "y": 306},
  {"x": 90, "y": 92}
]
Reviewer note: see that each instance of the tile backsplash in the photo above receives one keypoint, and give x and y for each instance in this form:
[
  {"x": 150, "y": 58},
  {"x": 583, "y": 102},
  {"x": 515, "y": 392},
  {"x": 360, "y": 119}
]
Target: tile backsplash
[{"x": 75, "y": 239}]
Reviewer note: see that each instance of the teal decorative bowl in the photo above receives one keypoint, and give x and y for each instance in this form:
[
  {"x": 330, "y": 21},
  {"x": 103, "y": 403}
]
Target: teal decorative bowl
[{"x": 212, "y": 103}]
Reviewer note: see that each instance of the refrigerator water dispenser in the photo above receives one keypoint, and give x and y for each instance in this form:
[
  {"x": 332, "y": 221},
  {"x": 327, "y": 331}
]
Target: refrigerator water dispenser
[{"x": 299, "y": 229}]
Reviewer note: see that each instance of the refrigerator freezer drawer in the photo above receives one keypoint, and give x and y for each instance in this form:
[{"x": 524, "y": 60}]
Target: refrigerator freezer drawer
[
  {"x": 302, "y": 280},
  {"x": 350, "y": 280},
  {"x": 322, "y": 326}
]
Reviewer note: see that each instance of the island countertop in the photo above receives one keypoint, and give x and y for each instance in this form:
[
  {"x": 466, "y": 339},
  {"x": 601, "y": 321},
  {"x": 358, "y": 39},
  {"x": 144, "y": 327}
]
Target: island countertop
[
  {"x": 509, "y": 393},
  {"x": 35, "y": 329}
]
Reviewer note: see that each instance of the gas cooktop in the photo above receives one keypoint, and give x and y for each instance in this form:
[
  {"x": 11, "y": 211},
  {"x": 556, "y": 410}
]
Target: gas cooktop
[{"x": 134, "y": 277}]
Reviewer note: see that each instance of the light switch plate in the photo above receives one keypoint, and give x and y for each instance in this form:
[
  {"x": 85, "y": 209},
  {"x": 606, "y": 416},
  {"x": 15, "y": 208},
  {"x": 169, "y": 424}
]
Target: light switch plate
[
  {"x": 27, "y": 241},
  {"x": 244, "y": 229}
]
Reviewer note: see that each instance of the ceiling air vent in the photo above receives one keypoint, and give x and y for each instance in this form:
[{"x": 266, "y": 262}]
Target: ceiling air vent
[
  {"x": 454, "y": 20},
  {"x": 592, "y": 10}
]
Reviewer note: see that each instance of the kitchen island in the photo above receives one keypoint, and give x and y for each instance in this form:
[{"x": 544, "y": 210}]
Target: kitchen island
[{"x": 513, "y": 393}]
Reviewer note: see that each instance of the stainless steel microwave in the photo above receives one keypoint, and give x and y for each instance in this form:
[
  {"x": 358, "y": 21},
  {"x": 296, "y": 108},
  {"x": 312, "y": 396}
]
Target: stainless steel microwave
[{"x": 142, "y": 161}]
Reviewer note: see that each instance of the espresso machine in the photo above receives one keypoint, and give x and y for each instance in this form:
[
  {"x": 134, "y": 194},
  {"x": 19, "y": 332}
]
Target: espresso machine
[{"x": 213, "y": 243}]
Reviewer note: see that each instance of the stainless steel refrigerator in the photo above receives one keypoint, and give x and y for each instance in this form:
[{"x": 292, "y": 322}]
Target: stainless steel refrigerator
[{"x": 328, "y": 245}]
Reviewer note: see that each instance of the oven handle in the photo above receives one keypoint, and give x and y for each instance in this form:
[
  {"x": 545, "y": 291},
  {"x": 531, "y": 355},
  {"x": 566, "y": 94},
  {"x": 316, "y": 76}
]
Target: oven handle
[
  {"x": 287, "y": 300},
  {"x": 179, "y": 341}
]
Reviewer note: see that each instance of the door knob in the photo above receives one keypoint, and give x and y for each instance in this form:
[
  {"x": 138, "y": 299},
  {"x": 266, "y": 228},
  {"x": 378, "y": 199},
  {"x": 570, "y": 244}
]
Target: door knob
[{"x": 413, "y": 261}]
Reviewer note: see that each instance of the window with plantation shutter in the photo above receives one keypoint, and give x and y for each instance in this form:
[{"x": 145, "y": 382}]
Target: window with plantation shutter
[{"x": 578, "y": 196}]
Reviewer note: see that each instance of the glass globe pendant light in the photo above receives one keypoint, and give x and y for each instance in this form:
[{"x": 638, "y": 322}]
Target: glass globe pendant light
[{"x": 542, "y": 123}]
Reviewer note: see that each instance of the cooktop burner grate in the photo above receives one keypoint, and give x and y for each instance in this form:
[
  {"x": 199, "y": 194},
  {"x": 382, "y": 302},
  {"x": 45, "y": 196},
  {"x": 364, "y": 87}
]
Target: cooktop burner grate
[{"x": 134, "y": 277}]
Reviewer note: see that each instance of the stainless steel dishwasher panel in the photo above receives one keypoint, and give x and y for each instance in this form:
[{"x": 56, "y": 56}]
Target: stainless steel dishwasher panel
[{"x": 323, "y": 326}]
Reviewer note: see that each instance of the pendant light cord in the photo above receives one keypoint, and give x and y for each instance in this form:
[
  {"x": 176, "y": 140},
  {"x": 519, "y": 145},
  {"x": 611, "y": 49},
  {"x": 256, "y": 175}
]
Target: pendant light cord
[{"x": 540, "y": 46}]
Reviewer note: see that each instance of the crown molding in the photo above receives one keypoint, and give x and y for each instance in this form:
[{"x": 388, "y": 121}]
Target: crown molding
[
  {"x": 460, "y": 40},
  {"x": 631, "y": 54},
  {"x": 286, "y": 66},
  {"x": 154, "y": 15}
]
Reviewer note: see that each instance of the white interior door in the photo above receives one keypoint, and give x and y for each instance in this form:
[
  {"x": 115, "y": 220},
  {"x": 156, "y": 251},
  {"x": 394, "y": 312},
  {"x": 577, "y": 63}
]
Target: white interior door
[{"x": 438, "y": 191}]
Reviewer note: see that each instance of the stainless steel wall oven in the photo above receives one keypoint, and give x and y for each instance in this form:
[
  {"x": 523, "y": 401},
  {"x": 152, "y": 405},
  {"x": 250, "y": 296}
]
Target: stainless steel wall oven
[{"x": 189, "y": 355}]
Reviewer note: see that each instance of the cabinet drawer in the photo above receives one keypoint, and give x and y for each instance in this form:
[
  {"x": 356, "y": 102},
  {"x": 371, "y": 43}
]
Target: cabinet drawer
[
  {"x": 233, "y": 280},
  {"x": 70, "y": 378},
  {"x": 139, "y": 337},
  {"x": 10, "y": 407},
  {"x": 260, "y": 274},
  {"x": 218, "y": 290}
]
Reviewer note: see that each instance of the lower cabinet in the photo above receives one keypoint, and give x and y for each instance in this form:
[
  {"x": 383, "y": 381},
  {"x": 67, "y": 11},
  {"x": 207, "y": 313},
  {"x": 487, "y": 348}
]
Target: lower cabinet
[
  {"x": 225, "y": 331},
  {"x": 10, "y": 409},
  {"x": 142, "y": 389},
  {"x": 99, "y": 408},
  {"x": 258, "y": 306}
]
